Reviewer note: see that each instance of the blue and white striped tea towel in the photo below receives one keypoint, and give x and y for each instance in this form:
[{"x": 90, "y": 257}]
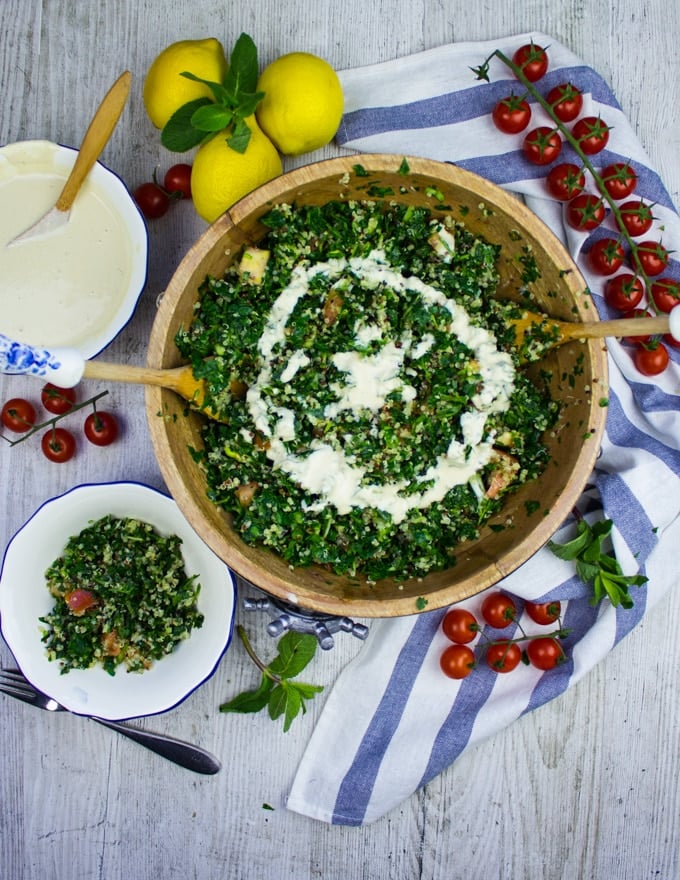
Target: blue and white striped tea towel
[{"x": 393, "y": 721}]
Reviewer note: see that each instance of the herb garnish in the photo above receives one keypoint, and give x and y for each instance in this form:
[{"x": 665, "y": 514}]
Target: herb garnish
[
  {"x": 597, "y": 567},
  {"x": 234, "y": 100},
  {"x": 276, "y": 691}
]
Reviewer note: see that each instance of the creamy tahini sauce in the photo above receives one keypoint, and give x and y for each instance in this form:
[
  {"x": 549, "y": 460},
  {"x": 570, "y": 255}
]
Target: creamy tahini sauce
[
  {"x": 369, "y": 378},
  {"x": 64, "y": 288}
]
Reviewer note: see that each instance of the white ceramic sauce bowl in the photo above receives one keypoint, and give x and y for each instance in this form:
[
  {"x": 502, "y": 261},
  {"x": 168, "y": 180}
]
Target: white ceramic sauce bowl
[{"x": 78, "y": 286}]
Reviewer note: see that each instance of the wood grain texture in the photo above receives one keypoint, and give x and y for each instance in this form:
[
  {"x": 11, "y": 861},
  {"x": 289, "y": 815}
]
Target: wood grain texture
[{"x": 585, "y": 787}]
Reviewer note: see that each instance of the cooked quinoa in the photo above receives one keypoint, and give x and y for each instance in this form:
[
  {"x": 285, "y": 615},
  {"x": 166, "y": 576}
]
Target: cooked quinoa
[
  {"x": 376, "y": 409},
  {"x": 122, "y": 597}
]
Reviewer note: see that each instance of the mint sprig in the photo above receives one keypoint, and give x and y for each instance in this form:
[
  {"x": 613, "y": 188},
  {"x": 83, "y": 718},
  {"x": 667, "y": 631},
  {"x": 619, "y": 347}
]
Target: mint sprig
[
  {"x": 233, "y": 101},
  {"x": 597, "y": 567},
  {"x": 276, "y": 691}
]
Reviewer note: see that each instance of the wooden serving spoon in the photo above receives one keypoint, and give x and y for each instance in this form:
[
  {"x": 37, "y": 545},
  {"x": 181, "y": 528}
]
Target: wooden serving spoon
[
  {"x": 66, "y": 367},
  {"x": 558, "y": 332}
]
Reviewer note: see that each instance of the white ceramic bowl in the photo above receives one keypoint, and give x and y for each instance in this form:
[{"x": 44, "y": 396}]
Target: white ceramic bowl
[
  {"x": 78, "y": 287},
  {"x": 24, "y": 598}
]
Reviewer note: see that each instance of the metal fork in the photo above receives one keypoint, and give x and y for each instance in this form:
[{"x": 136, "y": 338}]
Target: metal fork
[{"x": 13, "y": 683}]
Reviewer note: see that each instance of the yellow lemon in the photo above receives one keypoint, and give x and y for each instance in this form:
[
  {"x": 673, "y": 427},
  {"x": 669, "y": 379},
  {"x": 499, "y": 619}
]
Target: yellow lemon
[
  {"x": 220, "y": 176},
  {"x": 302, "y": 106},
  {"x": 166, "y": 90}
]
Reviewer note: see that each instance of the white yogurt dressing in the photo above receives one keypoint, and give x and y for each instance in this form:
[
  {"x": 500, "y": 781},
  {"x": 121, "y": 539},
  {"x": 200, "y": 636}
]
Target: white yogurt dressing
[
  {"x": 326, "y": 472},
  {"x": 64, "y": 288}
]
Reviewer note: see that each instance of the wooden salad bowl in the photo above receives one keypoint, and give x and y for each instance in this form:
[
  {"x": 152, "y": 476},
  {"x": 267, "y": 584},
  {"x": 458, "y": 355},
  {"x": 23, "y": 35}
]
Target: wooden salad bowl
[{"x": 578, "y": 369}]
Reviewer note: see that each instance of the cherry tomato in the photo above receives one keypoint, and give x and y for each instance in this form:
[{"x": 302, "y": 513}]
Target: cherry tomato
[
  {"x": 566, "y": 101},
  {"x": 503, "y": 656},
  {"x": 57, "y": 400},
  {"x": 460, "y": 626},
  {"x": 545, "y": 653},
  {"x": 18, "y": 415},
  {"x": 592, "y": 134},
  {"x": 101, "y": 428},
  {"x": 79, "y": 601},
  {"x": 178, "y": 180},
  {"x": 651, "y": 359},
  {"x": 532, "y": 61},
  {"x": 606, "y": 256},
  {"x": 498, "y": 610},
  {"x": 642, "y": 339},
  {"x": 624, "y": 292},
  {"x": 637, "y": 217},
  {"x": 152, "y": 201},
  {"x": 542, "y": 145},
  {"x": 653, "y": 257},
  {"x": 511, "y": 115},
  {"x": 619, "y": 180},
  {"x": 585, "y": 212},
  {"x": 666, "y": 294},
  {"x": 565, "y": 181},
  {"x": 457, "y": 661},
  {"x": 544, "y": 612},
  {"x": 58, "y": 445}
]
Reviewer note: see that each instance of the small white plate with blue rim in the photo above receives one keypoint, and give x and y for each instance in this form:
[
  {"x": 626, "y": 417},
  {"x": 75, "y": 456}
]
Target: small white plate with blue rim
[{"x": 24, "y": 599}]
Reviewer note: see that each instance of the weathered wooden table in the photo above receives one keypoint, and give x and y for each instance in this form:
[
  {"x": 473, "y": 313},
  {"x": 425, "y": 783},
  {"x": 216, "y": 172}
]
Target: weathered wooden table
[{"x": 586, "y": 787}]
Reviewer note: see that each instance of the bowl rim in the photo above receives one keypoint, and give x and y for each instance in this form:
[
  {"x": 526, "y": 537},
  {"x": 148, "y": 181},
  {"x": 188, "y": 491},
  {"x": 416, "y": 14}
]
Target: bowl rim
[
  {"x": 284, "y": 585},
  {"x": 121, "y": 201},
  {"x": 155, "y": 691}
]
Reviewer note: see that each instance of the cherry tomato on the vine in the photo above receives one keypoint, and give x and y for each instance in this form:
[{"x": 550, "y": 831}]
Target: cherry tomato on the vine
[
  {"x": 503, "y": 656},
  {"x": 653, "y": 257},
  {"x": 18, "y": 415},
  {"x": 178, "y": 180},
  {"x": 457, "y": 661},
  {"x": 460, "y": 626},
  {"x": 619, "y": 179},
  {"x": 152, "y": 200},
  {"x": 532, "y": 61},
  {"x": 585, "y": 212},
  {"x": 624, "y": 292},
  {"x": 565, "y": 181},
  {"x": 606, "y": 256},
  {"x": 666, "y": 294},
  {"x": 637, "y": 217},
  {"x": 545, "y": 653},
  {"x": 101, "y": 428},
  {"x": 544, "y": 612},
  {"x": 592, "y": 134},
  {"x": 641, "y": 339},
  {"x": 651, "y": 358},
  {"x": 57, "y": 400},
  {"x": 58, "y": 445},
  {"x": 498, "y": 610},
  {"x": 566, "y": 101},
  {"x": 542, "y": 145}
]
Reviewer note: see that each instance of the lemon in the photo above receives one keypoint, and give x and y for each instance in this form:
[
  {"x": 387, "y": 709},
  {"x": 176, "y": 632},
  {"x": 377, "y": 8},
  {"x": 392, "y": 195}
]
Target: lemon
[
  {"x": 220, "y": 176},
  {"x": 302, "y": 106},
  {"x": 166, "y": 90}
]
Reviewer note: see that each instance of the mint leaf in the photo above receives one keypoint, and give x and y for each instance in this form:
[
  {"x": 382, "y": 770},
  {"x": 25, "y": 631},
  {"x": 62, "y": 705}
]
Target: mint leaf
[
  {"x": 239, "y": 139},
  {"x": 178, "y": 134},
  {"x": 242, "y": 74},
  {"x": 571, "y": 549},
  {"x": 212, "y": 117},
  {"x": 250, "y": 701},
  {"x": 220, "y": 93},
  {"x": 295, "y": 652}
]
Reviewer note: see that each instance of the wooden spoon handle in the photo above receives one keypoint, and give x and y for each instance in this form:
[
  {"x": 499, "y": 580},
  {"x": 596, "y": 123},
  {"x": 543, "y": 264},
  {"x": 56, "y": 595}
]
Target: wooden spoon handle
[
  {"x": 131, "y": 374},
  {"x": 96, "y": 137},
  {"x": 617, "y": 328}
]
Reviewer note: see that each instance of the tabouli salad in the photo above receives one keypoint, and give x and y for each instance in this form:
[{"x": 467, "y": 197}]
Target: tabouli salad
[
  {"x": 122, "y": 597},
  {"x": 376, "y": 409}
]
